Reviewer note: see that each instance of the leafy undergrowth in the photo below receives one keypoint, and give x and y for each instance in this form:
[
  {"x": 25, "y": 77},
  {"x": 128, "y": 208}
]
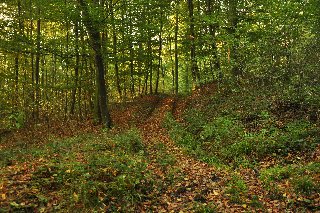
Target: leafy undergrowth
[
  {"x": 261, "y": 138},
  {"x": 96, "y": 172},
  {"x": 209, "y": 152}
]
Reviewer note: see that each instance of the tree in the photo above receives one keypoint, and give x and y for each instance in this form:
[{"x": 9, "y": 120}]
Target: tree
[
  {"x": 192, "y": 36},
  {"x": 176, "y": 60},
  {"x": 95, "y": 41}
]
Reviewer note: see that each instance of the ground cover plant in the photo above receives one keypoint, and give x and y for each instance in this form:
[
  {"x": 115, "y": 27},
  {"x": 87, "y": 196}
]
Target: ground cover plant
[
  {"x": 159, "y": 106},
  {"x": 82, "y": 172},
  {"x": 178, "y": 157}
]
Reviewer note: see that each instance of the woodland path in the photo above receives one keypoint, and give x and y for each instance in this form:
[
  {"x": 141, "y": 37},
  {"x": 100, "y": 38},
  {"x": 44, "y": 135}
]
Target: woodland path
[{"x": 193, "y": 181}]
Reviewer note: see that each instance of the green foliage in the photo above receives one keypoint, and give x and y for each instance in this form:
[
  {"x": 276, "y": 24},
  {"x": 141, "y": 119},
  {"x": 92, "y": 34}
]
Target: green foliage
[
  {"x": 273, "y": 174},
  {"x": 195, "y": 120},
  {"x": 18, "y": 119},
  {"x": 274, "y": 192},
  {"x": 296, "y": 137},
  {"x": 255, "y": 202},
  {"x": 298, "y": 175},
  {"x": 227, "y": 138},
  {"x": 210, "y": 208},
  {"x": 305, "y": 185},
  {"x": 130, "y": 141},
  {"x": 236, "y": 189},
  {"x": 190, "y": 142},
  {"x": 180, "y": 134},
  {"x": 222, "y": 129},
  {"x": 91, "y": 170}
]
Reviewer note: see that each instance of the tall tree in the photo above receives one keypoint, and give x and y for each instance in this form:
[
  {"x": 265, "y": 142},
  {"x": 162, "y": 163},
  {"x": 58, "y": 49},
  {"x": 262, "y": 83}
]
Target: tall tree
[
  {"x": 194, "y": 65},
  {"x": 95, "y": 41},
  {"x": 37, "y": 66},
  {"x": 176, "y": 59},
  {"x": 233, "y": 19},
  {"x": 115, "y": 50}
]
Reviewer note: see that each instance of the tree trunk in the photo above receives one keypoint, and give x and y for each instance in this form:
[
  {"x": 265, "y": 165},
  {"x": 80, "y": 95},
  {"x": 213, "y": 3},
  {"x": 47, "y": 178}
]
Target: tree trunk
[
  {"x": 160, "y": 55},
  {"x": 132, "y": 91},
  {"x": 212, "y": 31},
  {"x": 76, "y": 69},
  {"x": 176, "y": 62},
  {"x": 96, "y": 45},
  {"x": 150, "y": 63},
  {"x": 37, "y": 70},
  {"x": 233, "y": 22},
  {"x": 115, "y": 52},
  {"x": 194, "y": 65}
]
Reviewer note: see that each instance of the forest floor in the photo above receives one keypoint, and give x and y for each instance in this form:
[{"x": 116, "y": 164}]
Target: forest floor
[{"x": 162, "y": 157}]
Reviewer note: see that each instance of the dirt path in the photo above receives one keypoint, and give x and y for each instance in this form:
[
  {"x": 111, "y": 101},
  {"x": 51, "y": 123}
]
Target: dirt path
[{"x": 195, "y": 182}]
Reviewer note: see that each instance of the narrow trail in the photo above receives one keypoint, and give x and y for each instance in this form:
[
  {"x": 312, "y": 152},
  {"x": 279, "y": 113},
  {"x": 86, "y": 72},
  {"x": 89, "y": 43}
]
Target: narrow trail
[
  {"x": 186, "y": 184},
  {"x": 195, "y": 181}
]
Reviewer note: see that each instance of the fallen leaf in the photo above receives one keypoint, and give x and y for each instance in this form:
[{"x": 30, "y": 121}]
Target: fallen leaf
[{"x": 75, "y": 197}]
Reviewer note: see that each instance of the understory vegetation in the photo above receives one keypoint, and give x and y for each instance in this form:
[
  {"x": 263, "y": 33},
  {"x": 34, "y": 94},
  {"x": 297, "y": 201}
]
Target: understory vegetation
[
  {"x": 82, "y": 172},
  {"x": 274, "y": 136},
  {"x": 159, "y": 106},
  {"x": 268, "y": 143}
]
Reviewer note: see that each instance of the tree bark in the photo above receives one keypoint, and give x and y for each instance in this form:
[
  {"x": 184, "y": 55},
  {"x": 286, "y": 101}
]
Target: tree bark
[
  {"x": 115, "y": 51},
  {"x": 212, "y": 31},
  {"x": 233, "y": 22},
  {"x": 194, "y": 65},
  {"x": 76, "y": 69},
  {"x": 37, "y": 69},
  {"x": 160, "y": 55},
  {"x": 96, "y": 45},
  {"x": 176, "y": 60}
]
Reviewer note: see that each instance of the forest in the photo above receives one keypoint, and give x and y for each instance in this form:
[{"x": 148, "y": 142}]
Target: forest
[{"x": 159, "y": 106}]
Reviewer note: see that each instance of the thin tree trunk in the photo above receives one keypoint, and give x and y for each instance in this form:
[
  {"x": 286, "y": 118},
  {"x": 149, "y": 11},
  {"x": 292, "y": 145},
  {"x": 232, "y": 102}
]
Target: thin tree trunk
[
  {"x": 160, "y": 55},
  {"x": 131, "y": 61},
  {"x": 115, "y": 52},
  {"x": 194, "y": 65},
  {"x": 76, "y": 69},
  {"x": 150, "y": 61},
  {"x": 140, "y": 66},
  {"x": 212, "y": 31},
  {"x": 176, "y": 62},
  {"x": 37, "y": 69},
  {"x": 233, "y": 19},
  {"x": 67, "y": 68}
]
